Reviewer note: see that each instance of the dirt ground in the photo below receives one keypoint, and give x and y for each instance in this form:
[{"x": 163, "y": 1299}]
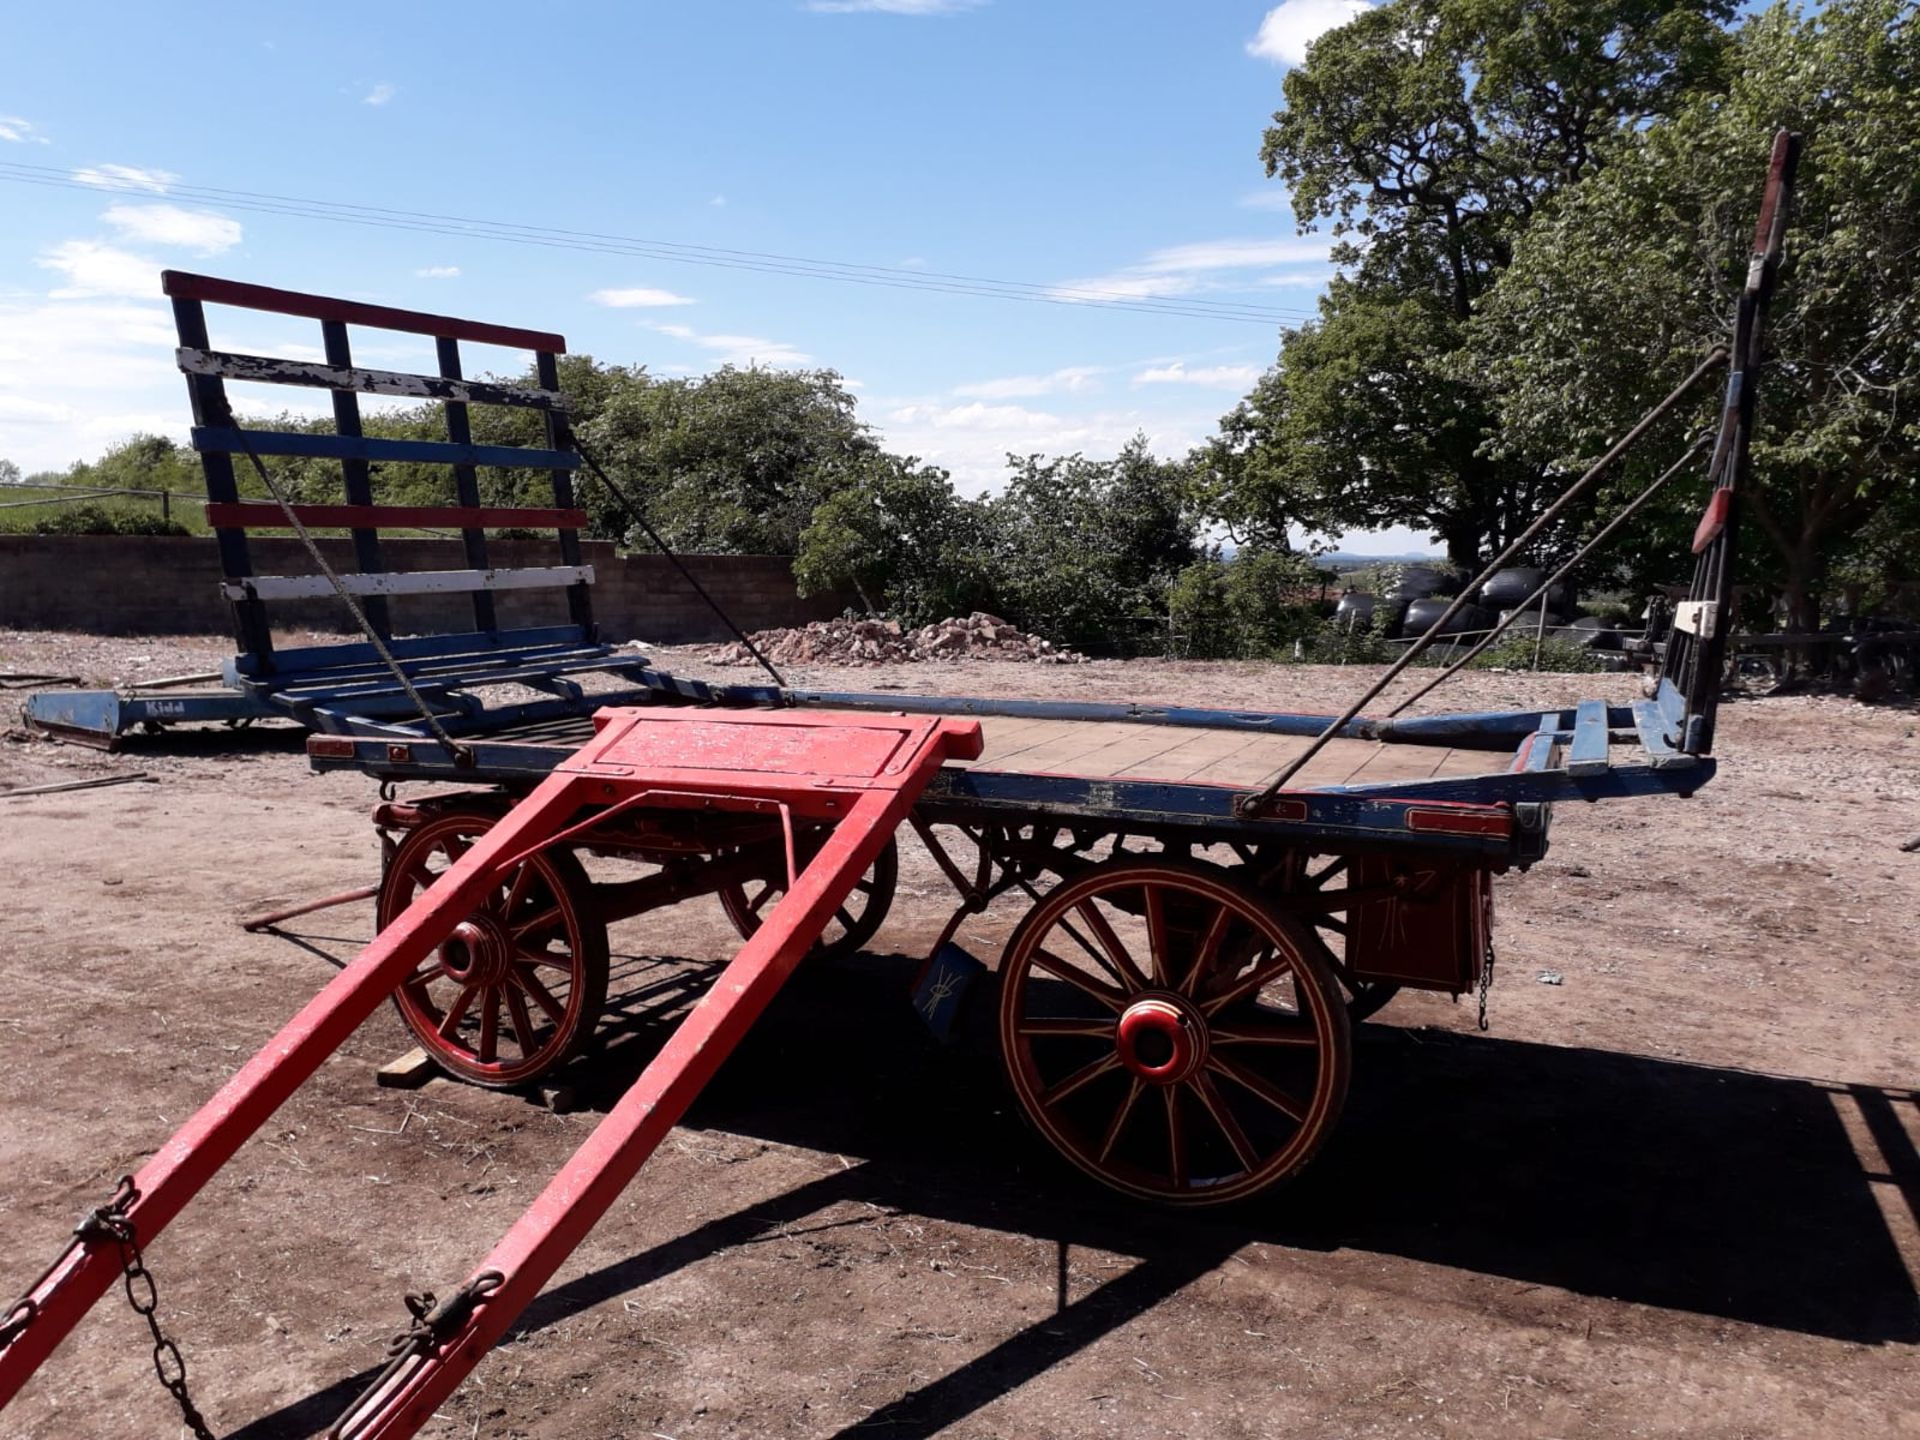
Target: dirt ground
[{"x": 1674, "y": 1195}]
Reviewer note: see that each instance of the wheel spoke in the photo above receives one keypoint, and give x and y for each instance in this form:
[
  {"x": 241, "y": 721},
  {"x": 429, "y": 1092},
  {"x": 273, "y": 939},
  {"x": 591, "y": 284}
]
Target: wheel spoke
[
  {"x": 516, "y": 892},
  {"x": 1110, "y": 942},
  {"x": 758, "y": 903},
  {"x": 1108, "y": 996},
  {"x": 522, "y": 1021},
  {"x": 1176, "y": 1137},
  {"x": 527, "y": 980},
  {"x": 527, "y": 955},
  {"x": 422, "y": 875},
  {"x": 1081, "y": 1078},
  {"x": 1262, "y": 1089},
  {"x": 1159, "y": 962},
  {"x": 1077, "y": 1029},
  {"x": 457, "y": 1011},
  {"x": 844, "y": 918},
  {"x": 1229, "y": 1124},
  {"x": 1209, "y": 950},
  {"x": 1264, "y": 972},
  {"x": 489, "y": 1024},
  {"x": 545, "y": 920},
  {"x": 1268, "y": 1032},
  {"x": 1119, "y": 1121}
]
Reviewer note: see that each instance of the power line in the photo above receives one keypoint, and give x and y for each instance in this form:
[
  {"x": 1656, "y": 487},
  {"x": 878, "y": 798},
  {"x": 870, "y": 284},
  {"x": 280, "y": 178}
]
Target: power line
[{"x": 671, "y": 252}]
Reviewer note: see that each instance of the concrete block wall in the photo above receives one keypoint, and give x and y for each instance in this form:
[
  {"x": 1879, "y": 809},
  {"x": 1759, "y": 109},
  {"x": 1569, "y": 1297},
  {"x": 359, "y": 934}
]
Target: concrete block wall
[{"x": 169, "y": 585}]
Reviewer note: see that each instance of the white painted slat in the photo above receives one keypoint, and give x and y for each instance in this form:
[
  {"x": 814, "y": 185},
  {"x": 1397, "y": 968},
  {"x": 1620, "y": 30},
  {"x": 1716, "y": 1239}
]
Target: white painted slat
[
  {"x": 416, "y": 582},
  {"x": 269, "y": 370}
]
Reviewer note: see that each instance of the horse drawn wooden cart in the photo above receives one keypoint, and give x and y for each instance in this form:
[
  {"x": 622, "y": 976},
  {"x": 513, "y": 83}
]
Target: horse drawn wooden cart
[{"x": 1213, "y": 898}]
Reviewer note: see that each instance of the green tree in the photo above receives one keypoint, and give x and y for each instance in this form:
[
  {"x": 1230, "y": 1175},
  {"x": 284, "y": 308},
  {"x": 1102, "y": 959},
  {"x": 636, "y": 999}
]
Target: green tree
[
  {"x": 1619, "y": 288},
  {"x": 1252, "y": 606},
  {"x": 894, "y": 533},
  {"x": 9, "y": 473},
  {"x": 732, "y": 462},
  {"x": 1428, "y": 133},
  {"x": 1085, "y": 550},
  {"x": 1358, "y": 426}
]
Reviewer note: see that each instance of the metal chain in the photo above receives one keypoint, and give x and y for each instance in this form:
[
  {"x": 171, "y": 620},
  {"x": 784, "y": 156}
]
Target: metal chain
[
  {"x": 1486, "y": 984},
  {"x": 110, "y": 1221},
  {"x": 461, "y": 756}
]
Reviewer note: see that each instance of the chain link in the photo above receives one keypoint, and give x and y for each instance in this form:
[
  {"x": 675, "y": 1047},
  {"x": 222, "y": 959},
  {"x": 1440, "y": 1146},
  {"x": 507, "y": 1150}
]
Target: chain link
[
  {"x": 111, "y": 1222},
  {"x": 1486, "y": 984}
]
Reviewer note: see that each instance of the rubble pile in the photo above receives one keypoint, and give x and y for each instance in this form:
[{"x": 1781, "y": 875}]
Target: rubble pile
[{"x": 978, "y": 636}]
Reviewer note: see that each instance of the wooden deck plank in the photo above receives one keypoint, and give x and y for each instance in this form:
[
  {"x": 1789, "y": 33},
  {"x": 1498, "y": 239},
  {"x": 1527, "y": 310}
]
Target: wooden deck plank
[
  {"x": 1107, "y": 749},
  {"x": 1006, "y": 736},
  {"x": 1074, "y": 743}
]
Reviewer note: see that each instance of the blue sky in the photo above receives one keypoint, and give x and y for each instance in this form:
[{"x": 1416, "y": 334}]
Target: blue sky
[{"x": 1108, "y": 146}]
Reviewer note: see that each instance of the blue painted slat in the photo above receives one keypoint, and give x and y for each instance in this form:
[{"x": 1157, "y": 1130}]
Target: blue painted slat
[
  {"x": 309, "y": 661},
  {"x": 1536, "y": 751},
  {"x": 1671, "y": 702},
  {"x": 1656, "y": 733},
  {"x": 225, "y": 441},
  {"x": 1494, "y": 731},
  {"x": 440, "y": 681},
  {"x": 1591, "y": 738}
]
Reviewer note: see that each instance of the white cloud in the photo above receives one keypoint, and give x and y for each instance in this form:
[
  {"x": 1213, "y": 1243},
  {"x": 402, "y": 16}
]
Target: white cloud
[
  {"x": 1274, "y": 197},
  {"x": 972, "y": 441},
  {"x": 739, "y": 350},
  {"x": 718, "y": 202},
  {"x": 126, "y": 177},
  {"x": 196, "y": 230},
  {"x": 93, "y": 267},
  {"x": 637, "y": 297},
  {"x": 1073, "y": 380},
  {"x": 1296, "y": 279},
  {"x": 21, "y": 132},
  {"x": 1220, "y": 377},
  {"x": 80, "y": 374},
  {"x": 893, "y": 7},
  {"x": 1233, "y": 254},
  {"x": 1289, "y": 28},
  {"x": 1189, "y": 269},
  {"x": 438, "y": 272},
  {"x": 380, "y": 94}
]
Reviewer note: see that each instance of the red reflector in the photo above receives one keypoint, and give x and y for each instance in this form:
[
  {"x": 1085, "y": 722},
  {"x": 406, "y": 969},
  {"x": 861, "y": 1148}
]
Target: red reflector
[
  {"x": 1714, "y": 521},
  {"x": 1463, "y": 821},
  {"x": 330, "y": 747},
  {"x": 399, "y": 754},
  {"x": 1288, "y": 810}
]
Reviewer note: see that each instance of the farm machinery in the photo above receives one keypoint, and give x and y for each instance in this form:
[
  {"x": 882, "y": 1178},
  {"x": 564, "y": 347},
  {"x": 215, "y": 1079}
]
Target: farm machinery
[{"x": 1213, "y": 898}]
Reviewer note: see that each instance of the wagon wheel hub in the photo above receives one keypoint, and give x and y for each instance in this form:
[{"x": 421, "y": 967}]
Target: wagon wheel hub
[
  {"x": 1161, "y": 1039},
  {"x": 477, "y": 953}
]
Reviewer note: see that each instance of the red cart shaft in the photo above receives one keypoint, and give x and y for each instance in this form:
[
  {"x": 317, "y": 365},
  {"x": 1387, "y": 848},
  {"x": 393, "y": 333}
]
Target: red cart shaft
[
  {"x": 199, "y": 1148},
  {"x": 862, "y": 772}
]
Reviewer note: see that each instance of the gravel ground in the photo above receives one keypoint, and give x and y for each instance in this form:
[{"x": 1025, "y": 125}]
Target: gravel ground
[{"x": 1673, "y": 1195}]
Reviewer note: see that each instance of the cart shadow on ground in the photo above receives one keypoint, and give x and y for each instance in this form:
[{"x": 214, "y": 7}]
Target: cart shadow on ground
[{"x": 1717, "y": 1192}]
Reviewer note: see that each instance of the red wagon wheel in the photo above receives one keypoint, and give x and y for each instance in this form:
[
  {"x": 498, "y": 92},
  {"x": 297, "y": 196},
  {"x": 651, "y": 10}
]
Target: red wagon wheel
[
  {"x": 517, "y": 989},
  {"x": 853, "y": 924},
  {"x": 1170, "y": 1035}
]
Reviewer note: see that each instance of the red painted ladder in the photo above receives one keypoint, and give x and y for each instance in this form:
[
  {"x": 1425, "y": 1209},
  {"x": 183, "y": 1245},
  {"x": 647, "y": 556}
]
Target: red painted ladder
[{"x": 860, "y": 772}]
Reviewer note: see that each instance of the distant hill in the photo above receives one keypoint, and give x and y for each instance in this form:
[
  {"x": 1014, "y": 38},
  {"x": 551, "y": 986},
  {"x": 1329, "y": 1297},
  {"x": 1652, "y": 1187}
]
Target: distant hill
[{"x": 1347, "y": 560}]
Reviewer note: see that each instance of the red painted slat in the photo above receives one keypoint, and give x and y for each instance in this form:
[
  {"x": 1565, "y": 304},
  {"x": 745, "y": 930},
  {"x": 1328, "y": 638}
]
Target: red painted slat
[
  {"x": 183, "y": 285},
  {"x": 264, "y": 515}
]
